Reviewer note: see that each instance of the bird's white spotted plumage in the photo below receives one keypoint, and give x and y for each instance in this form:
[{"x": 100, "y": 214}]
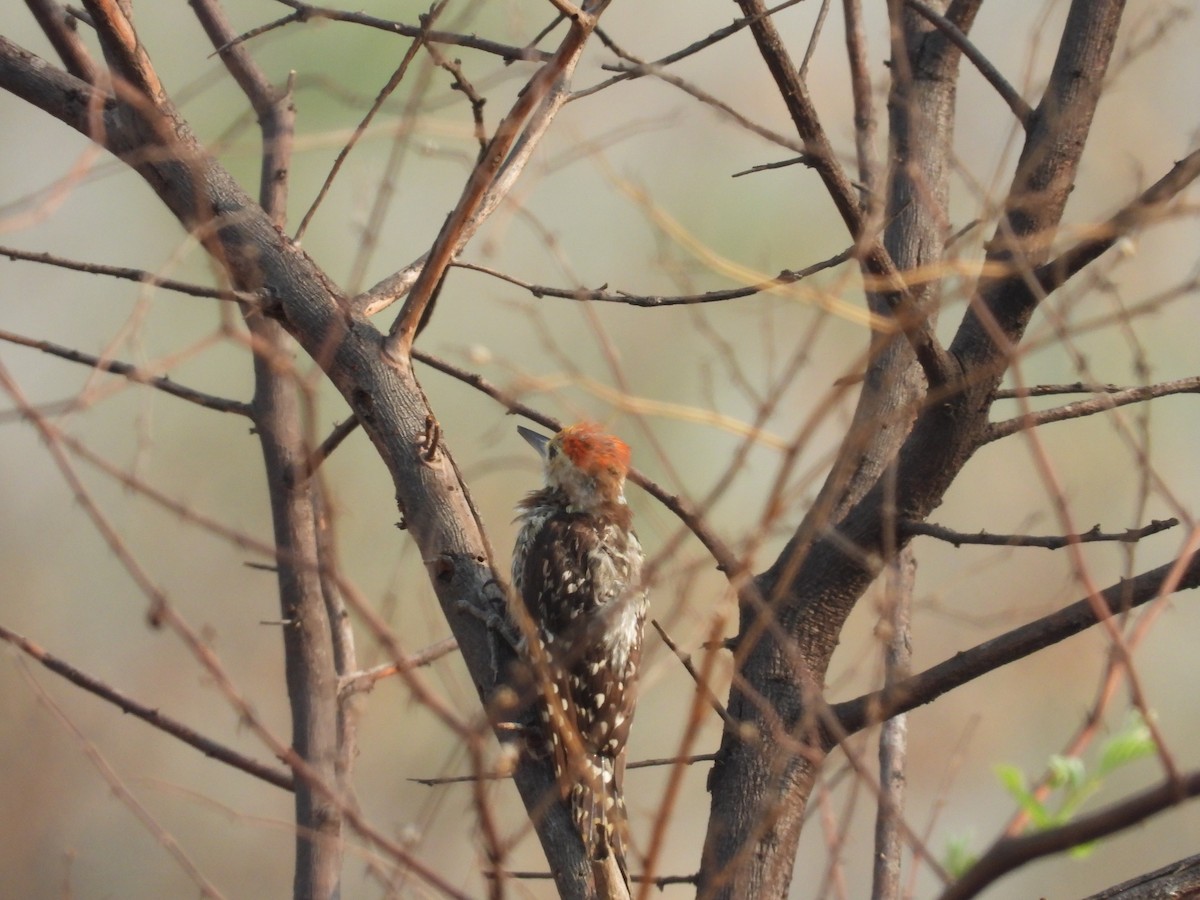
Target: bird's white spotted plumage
[{"x": 577, "y": 572}]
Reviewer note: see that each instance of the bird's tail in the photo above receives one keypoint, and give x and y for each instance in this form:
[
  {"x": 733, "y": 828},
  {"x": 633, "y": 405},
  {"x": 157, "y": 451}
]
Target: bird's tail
[{"x": 599, "y": 809}]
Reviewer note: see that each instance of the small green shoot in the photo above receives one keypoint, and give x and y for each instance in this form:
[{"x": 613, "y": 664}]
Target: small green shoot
[{"x": 1070, "y": 783}]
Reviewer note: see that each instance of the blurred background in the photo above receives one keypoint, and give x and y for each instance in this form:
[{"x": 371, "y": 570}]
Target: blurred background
[{"x": 680, "y": 384}]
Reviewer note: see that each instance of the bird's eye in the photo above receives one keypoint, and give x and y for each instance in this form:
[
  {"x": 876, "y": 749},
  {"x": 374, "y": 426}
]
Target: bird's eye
[{"x": 551, "y": 452}]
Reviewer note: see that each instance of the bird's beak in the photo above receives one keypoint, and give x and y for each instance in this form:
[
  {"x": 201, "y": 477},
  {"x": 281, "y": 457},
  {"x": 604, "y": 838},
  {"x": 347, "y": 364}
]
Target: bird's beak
[{"x": 537, "y": 441}]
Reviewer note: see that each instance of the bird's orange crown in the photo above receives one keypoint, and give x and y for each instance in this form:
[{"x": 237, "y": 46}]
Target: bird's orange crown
[{"x": 593, "y": 451}]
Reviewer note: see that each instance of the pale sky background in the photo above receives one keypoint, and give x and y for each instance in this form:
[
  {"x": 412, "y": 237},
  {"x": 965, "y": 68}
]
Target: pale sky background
[{"x": 66, "y": 833}]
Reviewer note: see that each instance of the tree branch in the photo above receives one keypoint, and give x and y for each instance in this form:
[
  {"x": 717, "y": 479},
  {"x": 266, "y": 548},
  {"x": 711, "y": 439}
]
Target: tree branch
[
  {"x": 153, "y": 717},
  {"x": 644, "y": 301},
  {"x": 1102, "y": 402},
  {"x": 1178, "y": 879},
  {"x": 550, "y": 79},
  {"x": 133, "y": 373},
  {"x": 306, "y": 11},
  {"x": 1147, "y": 208},
  {"x": 1012, "y": 852},
  {"x": 991, "y": 74},
  {"x": 964, "y": 667},
  {"x": 1049, "y": 542},
  {"x": 139, "y": 275},
  {"x": 1038, "y": 194}
]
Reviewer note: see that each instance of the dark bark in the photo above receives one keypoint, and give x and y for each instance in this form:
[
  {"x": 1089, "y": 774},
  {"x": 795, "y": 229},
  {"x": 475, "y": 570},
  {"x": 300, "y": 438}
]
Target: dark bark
[
  {"x": 764, "y": 772},
  {"x": 1177, "y": 880}
]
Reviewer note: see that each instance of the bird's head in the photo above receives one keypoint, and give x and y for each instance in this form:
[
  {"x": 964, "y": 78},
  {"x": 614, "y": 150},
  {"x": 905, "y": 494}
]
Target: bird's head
[{"x": 584, "y": 462}]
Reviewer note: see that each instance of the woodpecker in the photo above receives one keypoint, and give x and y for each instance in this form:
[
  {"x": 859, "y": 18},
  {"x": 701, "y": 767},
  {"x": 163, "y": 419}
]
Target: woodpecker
[{"x": 577, "y": 571}]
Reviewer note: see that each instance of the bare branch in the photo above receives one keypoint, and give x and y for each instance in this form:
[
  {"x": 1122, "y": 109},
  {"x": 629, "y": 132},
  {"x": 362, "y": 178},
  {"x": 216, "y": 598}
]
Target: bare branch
[
  {"x": 548, "y": 80},
  {"x": 1055, "y": 542},
  {"x": 865, "y": 124},
  {"x": 896, "y": 638},
  {"x": 139, "y": 275},
  {"x": 59, "y": 26},
  {"x": 1037, "y": 196},
  {"x": 361, "y": 682},
  {"x": 1049, "y": 390},
  {"x": 1148, "y": 207},
  {"x": 1177, "y": 879},
  {"x": 133, "y": 373},
  {"x": 306, "y": 11},
  {"x": 964, "y": 667},
  {"x": 162, "y": 722},
  {"x": 1022, "y": 110},
  {"x": 1102, "y": 402},
  {"x": 600, "y": 295}
]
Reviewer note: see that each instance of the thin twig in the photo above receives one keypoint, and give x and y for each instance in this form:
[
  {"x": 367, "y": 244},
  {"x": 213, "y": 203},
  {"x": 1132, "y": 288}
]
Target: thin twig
[
  {"x": 304, "y": 12},
  {"x": 1102, "y": 402},
  {"x": 133, "y": 373},
  {"x": 1049, "y": 542},
  {"x": 991, "y": 74},
  {"x": 340, "y": 432},
  {"x": 1050, "y": 390},
  {"x": 176, "y": 729},
  {"x": 686, "y": 660},
  {"x": 811, "y": 49},
  {"x": 361, "y": 682},
  {"x": 361, "y": 128},
  {"x": 138, "y": 275},
  {"x": 602, "y": 295},
  {"x": 704, "y": 43}
]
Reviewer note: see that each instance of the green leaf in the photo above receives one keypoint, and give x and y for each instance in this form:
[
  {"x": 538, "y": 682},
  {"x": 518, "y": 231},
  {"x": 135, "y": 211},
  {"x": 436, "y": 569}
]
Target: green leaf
[
  {"x": 1067, "y": 772},
  {"x": 1083, "y": 851},
  {"x": 1132, "y": 743},
  {"x": 958, "y": 857},
  {"x": 1012, "y": 780}
]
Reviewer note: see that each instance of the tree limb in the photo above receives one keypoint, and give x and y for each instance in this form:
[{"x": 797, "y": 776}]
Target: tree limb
[
  {"x": 1049, "y": 542},
  {"x": 153, "y": 717},
  {"x": 1012, "y": 852},
  {"x": 133, "y": 373},
  {"x": 990, "y": 73},
  {"x": 964, "y": 667},
  {"x": 549, "y": 79},
  {"x": 1101, "y": 402}
]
